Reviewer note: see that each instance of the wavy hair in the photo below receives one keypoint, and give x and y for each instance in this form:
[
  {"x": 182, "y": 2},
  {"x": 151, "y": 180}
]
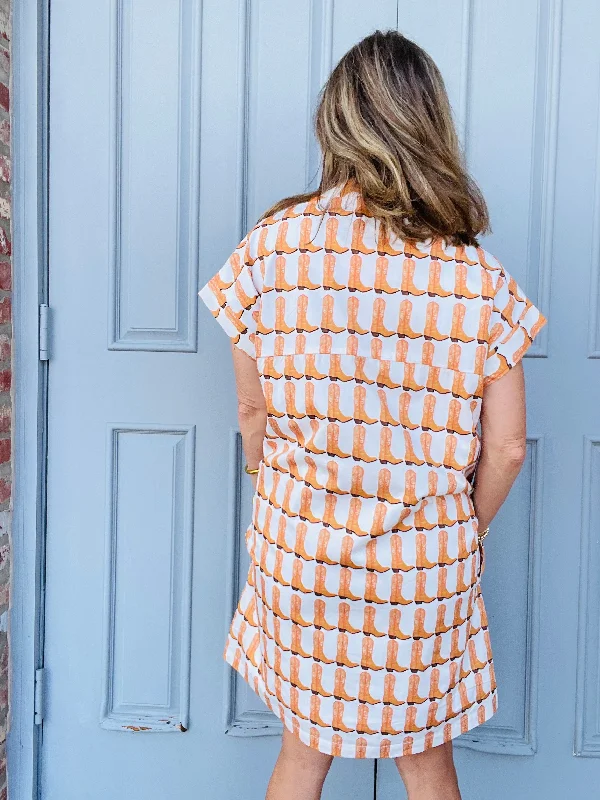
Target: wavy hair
[{"x": 384, "y": 122}]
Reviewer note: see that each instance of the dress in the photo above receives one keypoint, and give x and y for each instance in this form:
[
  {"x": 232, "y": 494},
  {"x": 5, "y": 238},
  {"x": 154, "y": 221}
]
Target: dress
[{"x": 362, "y": 625}]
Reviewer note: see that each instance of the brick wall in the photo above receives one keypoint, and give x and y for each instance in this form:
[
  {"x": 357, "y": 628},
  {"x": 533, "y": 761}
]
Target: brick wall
[{"x": 5, "y": 374}]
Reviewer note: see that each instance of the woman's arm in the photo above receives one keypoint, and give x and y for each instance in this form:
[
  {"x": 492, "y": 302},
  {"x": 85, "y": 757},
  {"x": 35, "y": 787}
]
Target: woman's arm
[
  {"x": 252, "y": 409},
  {"x": 503, "y": 443}
]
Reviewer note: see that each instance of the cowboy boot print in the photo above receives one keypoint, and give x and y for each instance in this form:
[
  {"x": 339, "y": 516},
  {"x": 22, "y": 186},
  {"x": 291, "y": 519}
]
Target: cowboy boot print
[
  {"x": 289, "y": 369},
  {"x": 381, "y": 272},
  {"x": 342, "y": 658},
  {"x": 336, "y": 372},
  {"x": 385, "y": 416},
  {"x": 296, "y": 615},
  {"x": 312, "y": 412},
  {"x": 434, "y": 285},
  {"x": 306, "y": 245},
  {"x": 302, "y": 322},
  {"x": 310, "y": 369},
  {"x": 352, "y": 523},
  {"x": 296, "y": 582},
  {"x": 339, "y": 686},
  {"x": 329, "y": 519},
  {"x": 355, "y": 283},
  {"x": 457, "y": 331},
  {"x": 369, "y": 621},
  {"x": 358, "y": 233},
  {"x": 329, "y": 281},
  {"x": 316, "y": 684},
  {"x": 281, "y": 325},
  {"x": 328, "y": 324},
  {"x": 371, "y": 589},
  {"x": 320, "y": 618},
  {"x": 331, "y": 243},
  {"x": 310, "y": 478},
  {"x": 346, "y": 553},
  {"x": 404, "y": 321},
  {"x": 356, "y": 489},
  {"x": 428, "y": 423},
  {"x": 377, "y": 324},
  {"x": 383, "y": 487},
  {"x": 333, "y": 435},
  {"x": 281, "y": 246},
  {"x": 281, "y": 285},
  {"x": 438, "y": 252},
  {"x": 431, "y": 317},
  {"x": 386, "y": 455},
  {"x": 344, "y": 619},
  {"x": 322, "y": 544},
  {"x": 384, "y": 378},
  {"x": 461, "y": 290},
  {"x": 404, "y": 409},
  {"x": 358, "y": 446},
  {"x": 332, "y": 485},
  {"x": 360, "y": 413},
  {"x": 353, "y": 324}
]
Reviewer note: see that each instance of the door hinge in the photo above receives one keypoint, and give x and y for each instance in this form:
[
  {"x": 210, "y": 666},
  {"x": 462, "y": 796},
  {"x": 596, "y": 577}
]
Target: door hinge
[
  {"x": 44, "y": 332},
  {"x": 38, "y": 696}
]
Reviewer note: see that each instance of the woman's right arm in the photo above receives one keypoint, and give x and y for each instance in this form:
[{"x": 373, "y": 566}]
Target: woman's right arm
[{"x": 503, "y": 443}]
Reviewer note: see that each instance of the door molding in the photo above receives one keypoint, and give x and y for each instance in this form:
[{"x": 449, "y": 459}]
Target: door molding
[{"x": 30, "y": 288}]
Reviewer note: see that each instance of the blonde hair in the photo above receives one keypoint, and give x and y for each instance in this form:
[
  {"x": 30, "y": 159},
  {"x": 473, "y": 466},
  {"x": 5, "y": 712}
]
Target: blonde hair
[{"x": 384, "y": 122}]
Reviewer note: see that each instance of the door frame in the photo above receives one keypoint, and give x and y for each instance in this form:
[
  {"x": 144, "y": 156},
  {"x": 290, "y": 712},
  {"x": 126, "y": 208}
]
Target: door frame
[{"x": 30, "y": 58}]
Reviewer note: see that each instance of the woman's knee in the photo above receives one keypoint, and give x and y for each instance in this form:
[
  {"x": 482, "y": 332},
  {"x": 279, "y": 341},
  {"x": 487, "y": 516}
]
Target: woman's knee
[
  {"x": 435, "y": 759},
  {"x": 303, "y": 755}
]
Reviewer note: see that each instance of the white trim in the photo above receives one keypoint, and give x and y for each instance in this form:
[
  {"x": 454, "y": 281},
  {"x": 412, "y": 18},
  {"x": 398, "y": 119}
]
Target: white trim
[{"x": 29, "y": 260}]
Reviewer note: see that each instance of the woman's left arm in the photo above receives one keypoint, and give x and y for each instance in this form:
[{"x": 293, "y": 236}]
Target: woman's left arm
[{"x": 252, "y": 409}]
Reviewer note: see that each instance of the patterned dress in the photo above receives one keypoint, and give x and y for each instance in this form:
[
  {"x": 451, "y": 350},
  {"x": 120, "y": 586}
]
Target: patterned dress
[{"x": 362, "y": 625}]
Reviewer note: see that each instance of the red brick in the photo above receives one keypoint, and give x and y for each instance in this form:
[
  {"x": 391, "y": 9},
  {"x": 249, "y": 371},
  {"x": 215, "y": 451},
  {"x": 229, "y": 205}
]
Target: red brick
[
  {"x": 5, "y": 248},
  {"x": 5, "y": 380},
  {"x": 5, "y": 132},
  {"x": 5, "y": 309},
  {"x": 5, "y": 278},
  {"x": 5, "y": 169},
  {"x": 4, "y": 97},
  {"x": 5, "y": 489},
  {"x": 5, "y": 348},
  {"x": 4, "y": 450}
]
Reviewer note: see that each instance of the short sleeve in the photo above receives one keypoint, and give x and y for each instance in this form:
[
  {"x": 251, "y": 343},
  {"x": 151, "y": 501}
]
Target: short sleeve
[
  {"x": 233, "y": 294},
  {"x": 514, "y": 324}
]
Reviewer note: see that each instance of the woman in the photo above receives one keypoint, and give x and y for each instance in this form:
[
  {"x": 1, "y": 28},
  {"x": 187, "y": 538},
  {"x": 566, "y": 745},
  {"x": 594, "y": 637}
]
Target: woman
[{"x": 371, "y": 334}]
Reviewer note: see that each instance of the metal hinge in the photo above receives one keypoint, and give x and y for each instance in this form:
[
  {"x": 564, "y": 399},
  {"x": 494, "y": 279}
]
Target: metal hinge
[
  {"x": 38, "y": 696},
  {"x": 44, "y": 331}
]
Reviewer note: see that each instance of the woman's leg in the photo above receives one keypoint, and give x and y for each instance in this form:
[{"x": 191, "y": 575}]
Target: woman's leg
[
  {"x": 300, "y": 771},
  {"x": 430, "y": 775}
]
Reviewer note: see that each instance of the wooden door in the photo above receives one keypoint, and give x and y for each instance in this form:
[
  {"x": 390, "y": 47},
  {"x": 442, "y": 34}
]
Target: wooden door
[{"x": 172, "y": 125}]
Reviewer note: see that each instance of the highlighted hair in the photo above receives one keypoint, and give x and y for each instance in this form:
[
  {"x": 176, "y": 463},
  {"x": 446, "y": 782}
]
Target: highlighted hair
[{"x": 384, "y": 123}]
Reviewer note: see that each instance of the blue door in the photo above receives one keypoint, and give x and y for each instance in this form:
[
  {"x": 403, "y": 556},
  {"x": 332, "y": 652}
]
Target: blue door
[{"x": 173, "y": 125}]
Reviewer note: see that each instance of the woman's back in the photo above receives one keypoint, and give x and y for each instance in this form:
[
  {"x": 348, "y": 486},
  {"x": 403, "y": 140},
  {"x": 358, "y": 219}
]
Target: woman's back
[
  {"x": 372, "y": 354},
  {"x": 362, "y": 624}
]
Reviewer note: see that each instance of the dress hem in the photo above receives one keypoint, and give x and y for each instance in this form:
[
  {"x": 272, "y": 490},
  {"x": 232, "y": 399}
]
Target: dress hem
[{"x": 409, "y": 743}]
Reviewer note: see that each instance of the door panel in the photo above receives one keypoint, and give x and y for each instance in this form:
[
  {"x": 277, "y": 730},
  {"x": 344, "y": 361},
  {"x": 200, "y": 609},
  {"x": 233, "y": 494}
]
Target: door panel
[
  {"x": 531, "y": 139},
  {"x": 172, "y": 126}
]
